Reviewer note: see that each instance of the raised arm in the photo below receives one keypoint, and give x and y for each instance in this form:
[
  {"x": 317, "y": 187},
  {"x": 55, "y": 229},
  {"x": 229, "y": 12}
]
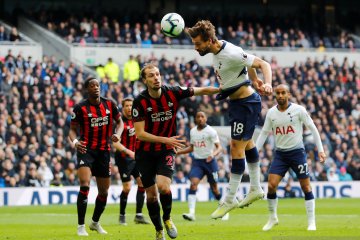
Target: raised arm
[{"x": 266, "y": 71}]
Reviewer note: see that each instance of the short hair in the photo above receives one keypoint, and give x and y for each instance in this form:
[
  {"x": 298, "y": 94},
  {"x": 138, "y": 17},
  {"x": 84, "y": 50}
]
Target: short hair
[
  {"x": 146, "y": 66},
  {"x": 205, "y": 29},
  {"x": 128, "y": 99},
  {"x": 87, "y": 81}
]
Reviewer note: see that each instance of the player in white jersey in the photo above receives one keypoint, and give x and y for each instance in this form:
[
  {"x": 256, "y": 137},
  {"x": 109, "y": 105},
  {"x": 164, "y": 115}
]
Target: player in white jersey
[
  {"x": 205, "y": 143},
  {"x": 233, "y": 67},
  {"x": 286, "y": 121}
]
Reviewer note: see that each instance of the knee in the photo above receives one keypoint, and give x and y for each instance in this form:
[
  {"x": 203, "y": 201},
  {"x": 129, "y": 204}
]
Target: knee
[
  {"x": 193, "y": 186},
  {"x": 272, "y": 187},
  {"x": 126, "y": 189},
  {"x": 306, "y": 188},
  {"x": 151, "y": 197}
]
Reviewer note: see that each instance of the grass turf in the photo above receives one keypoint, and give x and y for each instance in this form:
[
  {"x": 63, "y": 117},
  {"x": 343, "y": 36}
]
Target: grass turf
[{"x": 336, "y": 219}]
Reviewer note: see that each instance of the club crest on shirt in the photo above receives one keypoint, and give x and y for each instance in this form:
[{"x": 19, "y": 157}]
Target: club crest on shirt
[
  {"x": 170, "y": 104},
  {"x": 107, "y": 111},
  {"x": 135, "y": 112}
]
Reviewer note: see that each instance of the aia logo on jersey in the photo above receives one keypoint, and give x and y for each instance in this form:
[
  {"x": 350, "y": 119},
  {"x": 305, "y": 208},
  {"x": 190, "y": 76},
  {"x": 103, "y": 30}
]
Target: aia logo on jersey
[
  {"x": 284, "y": 130},
  {"x": 199, "y": 144}
]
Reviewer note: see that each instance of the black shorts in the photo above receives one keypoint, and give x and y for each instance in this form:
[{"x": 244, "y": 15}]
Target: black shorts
[
  {"x": 154, "y": 163},
  {"x": 97, "y": 160},
  {"x": 126, "y": 167}
]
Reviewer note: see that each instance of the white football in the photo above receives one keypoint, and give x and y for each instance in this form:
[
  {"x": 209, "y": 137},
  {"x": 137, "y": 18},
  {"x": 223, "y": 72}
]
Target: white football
[{"x": 172, "y": 24}]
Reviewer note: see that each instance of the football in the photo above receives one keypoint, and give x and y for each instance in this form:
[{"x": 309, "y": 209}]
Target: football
[{"x": 172, "y": 24}]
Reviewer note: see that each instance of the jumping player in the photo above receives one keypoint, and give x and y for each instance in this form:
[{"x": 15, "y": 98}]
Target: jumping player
[{"x": 232, "y": 65}]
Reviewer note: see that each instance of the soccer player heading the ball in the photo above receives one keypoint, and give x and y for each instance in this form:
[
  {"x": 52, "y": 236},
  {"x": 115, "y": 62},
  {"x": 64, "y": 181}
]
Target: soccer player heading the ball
[
  {"x": 285, "y": 121},
  {"x": 233, "y": 68}
]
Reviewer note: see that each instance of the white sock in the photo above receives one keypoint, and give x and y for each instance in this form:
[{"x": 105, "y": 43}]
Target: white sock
[
  {"x": 254, "y": 173},
  {"x": 233, "y": 186},
  {"x": 272, "y": 206},
  {"x": 310, "y": 210},
  {"x": 192, "y": 203}
]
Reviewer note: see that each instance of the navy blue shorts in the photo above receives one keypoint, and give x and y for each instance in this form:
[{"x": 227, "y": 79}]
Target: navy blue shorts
[
  {"x": 244, "y": 116},
  {"x": 295, "y": 159},
  {"x": 200, "y": 168}
]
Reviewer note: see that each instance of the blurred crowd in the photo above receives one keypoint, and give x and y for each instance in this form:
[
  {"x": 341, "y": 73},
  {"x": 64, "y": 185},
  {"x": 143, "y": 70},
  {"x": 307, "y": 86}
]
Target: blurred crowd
[
  {"x": 288, "y": 32},
  {"x": 36, "y": 100}
]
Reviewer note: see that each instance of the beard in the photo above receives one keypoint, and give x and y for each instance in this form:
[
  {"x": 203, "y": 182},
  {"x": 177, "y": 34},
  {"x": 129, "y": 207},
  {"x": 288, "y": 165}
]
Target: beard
[{"x": 204, "y": 52}]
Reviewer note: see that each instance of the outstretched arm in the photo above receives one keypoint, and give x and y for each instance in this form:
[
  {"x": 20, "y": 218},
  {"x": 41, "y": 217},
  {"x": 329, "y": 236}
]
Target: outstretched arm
[{"x": 205, "y": 90}]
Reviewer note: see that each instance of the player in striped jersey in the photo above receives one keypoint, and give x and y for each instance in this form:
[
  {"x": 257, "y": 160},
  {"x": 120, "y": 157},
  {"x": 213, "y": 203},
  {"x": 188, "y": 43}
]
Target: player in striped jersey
[
  {"x": 154, "y": 114},
  {"x": 94, "y": 118},
  {"x": 285, "y": 121},
  {"x": 125, "y": 160},
  {"x": 233, "y": 67}
]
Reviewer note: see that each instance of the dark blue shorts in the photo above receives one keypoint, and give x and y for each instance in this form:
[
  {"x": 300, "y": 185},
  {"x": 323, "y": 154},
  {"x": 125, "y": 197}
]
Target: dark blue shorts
[
  {"x": 200, "y": 168},
  {"x": 295, "y": 159},
  {"x": 244, "y": 116}
]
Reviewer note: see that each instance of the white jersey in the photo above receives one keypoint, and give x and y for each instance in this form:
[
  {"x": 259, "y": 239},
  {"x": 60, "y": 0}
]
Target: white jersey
[
  {"x": 231, "y": 64},
  {"x": 287, "y": 128},
  {"x": 203, "y": 141}
]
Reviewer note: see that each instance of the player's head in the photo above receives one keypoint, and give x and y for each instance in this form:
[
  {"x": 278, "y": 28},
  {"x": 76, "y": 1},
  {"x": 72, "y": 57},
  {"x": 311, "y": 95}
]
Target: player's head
[
  {"x": 127, "y": 106},
  {"x": 200, "y": 119},
  {"x": 202, "y": 35},
  {"x": 92, "y": 86},
  {"x": 282, "y": 94},
  {"x": 151, "y": 76}
]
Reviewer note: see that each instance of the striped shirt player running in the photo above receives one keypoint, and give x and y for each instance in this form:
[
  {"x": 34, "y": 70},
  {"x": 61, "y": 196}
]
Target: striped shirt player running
[
  {"x": 205, "y": 145},
  {"x": 154, "y": 115},
  {"x": 233, "y": 68},
  {"x": 285, "y": 121},
  {"x": 94, "y": 118}
]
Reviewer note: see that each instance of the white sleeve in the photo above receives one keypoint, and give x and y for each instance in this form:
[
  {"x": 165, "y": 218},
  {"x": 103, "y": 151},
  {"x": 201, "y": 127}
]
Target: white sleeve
[
  {"x": 191, "y": 138},
  {"x": 215, "y": 137},
  {"x": 264, "y": 132},
  {"x": 248, "y": 59},
  {"x": 309, "y": 123}
]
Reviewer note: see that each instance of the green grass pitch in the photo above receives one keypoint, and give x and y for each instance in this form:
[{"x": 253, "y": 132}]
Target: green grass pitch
[{"x": 336, "y": 219}]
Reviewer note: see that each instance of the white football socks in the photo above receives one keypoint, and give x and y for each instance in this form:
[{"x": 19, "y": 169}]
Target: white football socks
[
  {"x": 254, "y": 174},
  {"x": 192, "y": 203},
  {"x": 233, "y": 186},
  {"x": 272, "y": 206},
  {"x": 310, "y": 210}
]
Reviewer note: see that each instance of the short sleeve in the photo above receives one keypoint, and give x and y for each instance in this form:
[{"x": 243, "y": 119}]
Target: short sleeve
[
  {"x": 246, "y": 58},
  {"x": 214, "y": 136},
  {"x": 137, "y": 112},
  {"x": 76, "y": 116},
  {"x": 115, "y": 111},
  {"x": 182, "y": 92},
  {"x": 267, "y": 125}
]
